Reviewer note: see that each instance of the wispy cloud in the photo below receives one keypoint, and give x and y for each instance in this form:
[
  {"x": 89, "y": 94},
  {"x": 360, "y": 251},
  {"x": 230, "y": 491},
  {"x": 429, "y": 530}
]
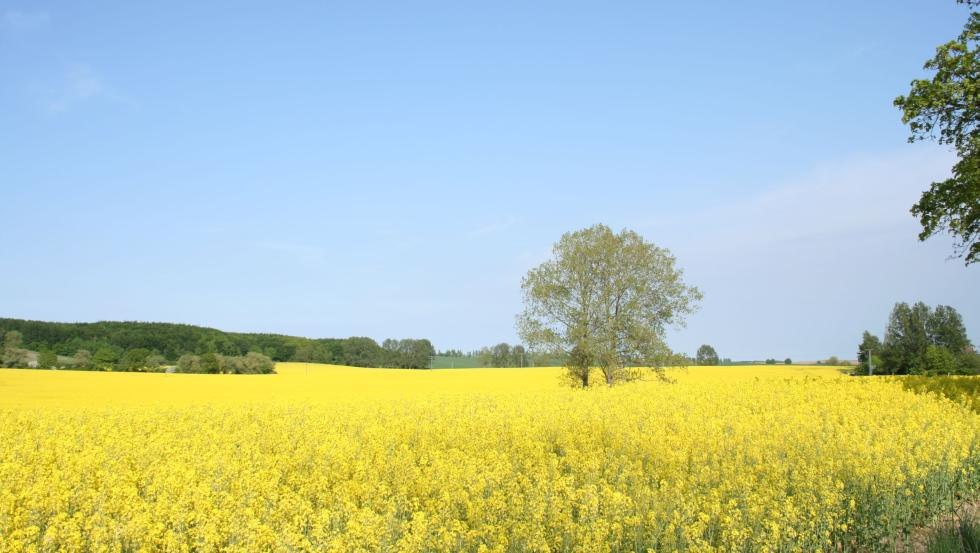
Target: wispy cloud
[
  {"x": 14, "y": 21},
  {"x": 850, "y": 197},
  {"x": 82, "y": 84}
]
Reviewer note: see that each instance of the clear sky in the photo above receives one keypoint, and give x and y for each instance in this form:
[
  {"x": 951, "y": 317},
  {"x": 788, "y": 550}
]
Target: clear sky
[{"x": 393, "y": 169}]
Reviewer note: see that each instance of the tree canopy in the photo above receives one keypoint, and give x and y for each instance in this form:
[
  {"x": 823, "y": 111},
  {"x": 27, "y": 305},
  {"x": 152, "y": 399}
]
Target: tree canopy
[
  {"x": 946, "y": 108},
  {"x": 707, "y": 355},
  {"x": 920, "y": 340},
  {"x": 605, "y": 300}
]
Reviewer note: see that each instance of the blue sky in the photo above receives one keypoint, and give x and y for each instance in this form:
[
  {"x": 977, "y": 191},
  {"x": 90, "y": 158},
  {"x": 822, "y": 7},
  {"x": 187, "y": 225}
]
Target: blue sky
[{"x": 393, "y": 169}]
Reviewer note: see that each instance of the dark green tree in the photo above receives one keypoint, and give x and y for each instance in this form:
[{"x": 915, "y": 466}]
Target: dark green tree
[
  {"x": 945, "y": 328},
  {"x": 906, "y": 339},
  {"x": 946, "y": 108},
  {"x": 104, "y": 358},
  {"x": 134, "y": 360},
  {"x": 210, "y": 363},
  {"x": 707, "y": 355},
  {"x": 787, "y": 361},
  {"x": 939, "y": 360},
  {"x": 868, "y": 350},
  {"x": 500, "y": 355}
]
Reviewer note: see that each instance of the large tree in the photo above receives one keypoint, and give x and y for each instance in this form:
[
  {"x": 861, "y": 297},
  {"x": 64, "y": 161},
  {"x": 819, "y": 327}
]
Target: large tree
[
  {"x": 605, "y": 300},
  {"x": 946, "y": 108}
]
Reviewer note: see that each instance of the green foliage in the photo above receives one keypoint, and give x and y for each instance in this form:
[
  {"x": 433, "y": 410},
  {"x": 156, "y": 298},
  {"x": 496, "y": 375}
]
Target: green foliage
[
  {"x": 47, "y": 359},
  {"x": 13, "y": 339},
  {"x": 134, "y": 360},
  {"x": 947, "y": 109},
  {"x": 915, "y": 331},
  {"x": 111, "y": 342},
  {"x": 707, "y": 355},
  {"x": 868, "y": 351},
  {"x": 82, "y": 359},
  {"x": 104, "y": 358},
  {"x": 964, "y": 390},
  {"x": 605, "y": 299},
  {"x": 939, "y": 360},
  {"x": 962, "y": 537},
  {"x": 787, "y": 361},
  {"x": 210, "y": 363},
  {"x": 407, "y": 353}
]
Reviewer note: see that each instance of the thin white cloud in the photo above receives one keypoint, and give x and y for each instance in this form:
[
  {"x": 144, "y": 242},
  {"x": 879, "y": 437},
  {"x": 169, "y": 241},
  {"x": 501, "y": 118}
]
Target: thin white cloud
[
  {"x": 82, "y": 84},
  {"x": 15, "y": 21},
  {"x": 851, "y": 197}
]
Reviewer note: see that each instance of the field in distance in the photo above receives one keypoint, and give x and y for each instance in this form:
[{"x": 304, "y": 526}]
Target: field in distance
[
  {"x": 310, "y": 382},
  {"x": 327, "y": 458}
]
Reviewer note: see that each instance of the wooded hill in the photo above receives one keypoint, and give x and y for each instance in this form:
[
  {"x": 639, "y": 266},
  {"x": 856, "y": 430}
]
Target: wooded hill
[{"x": 171, "y": 341}]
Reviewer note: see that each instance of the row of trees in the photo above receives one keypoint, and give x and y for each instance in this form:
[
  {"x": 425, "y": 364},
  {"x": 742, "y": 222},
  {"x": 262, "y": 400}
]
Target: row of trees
[
  {"x": 134, "y": 360},
  {"x": 919, "y": 340},
  {"x": 213, "y": 363},
  {"x": 707, "y": 356},
  {"x": 122, "y": 345}
]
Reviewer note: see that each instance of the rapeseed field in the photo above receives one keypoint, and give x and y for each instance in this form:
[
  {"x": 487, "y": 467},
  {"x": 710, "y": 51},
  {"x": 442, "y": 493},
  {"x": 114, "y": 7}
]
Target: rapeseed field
[{"x": 320, "y": 458}]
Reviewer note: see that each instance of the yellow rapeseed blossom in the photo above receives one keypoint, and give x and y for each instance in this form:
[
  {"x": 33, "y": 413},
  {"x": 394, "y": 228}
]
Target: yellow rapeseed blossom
[{"x": 321, "y": 458}]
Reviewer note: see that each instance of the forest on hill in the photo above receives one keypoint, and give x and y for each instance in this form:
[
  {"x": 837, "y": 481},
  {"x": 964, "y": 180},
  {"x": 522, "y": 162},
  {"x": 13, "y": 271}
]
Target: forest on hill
[{"x": 108, "y": 342}]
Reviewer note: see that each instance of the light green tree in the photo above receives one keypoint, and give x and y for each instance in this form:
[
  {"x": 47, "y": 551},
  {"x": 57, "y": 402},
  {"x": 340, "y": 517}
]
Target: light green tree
[{"x": 605, "y": 300}]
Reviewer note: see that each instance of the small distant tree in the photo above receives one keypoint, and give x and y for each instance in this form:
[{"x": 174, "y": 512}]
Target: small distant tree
[
  {"x": 134, "y": 360},
  {"x": 707, "y": 355},
  {"x": 257, "y": 363},
  {"x": 13, "y": 354},
  {"x": 47, "y": 359},
  {"x": 361, "y": 351},
  {"x": 189, "y": 363},
  {"x": 154, "y": 362},
  {"x": 82, "y": 359},
  {"x": 518, "y": 356},
  {"x": 770, "y": 361},
  {"x": 500, "y": 355},
  {"x": 104, "y": 358},
  {"x": 832, "y": 361},
  {"x": 210, "y": 363},
  {"x": 13, "y": 339},
  {"x": 787, "y": 361},
  {"x": 868, "y": 349}
]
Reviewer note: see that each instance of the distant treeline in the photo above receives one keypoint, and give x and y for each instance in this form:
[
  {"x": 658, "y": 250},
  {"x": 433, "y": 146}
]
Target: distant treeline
[{"x": 109, "y": 343}]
